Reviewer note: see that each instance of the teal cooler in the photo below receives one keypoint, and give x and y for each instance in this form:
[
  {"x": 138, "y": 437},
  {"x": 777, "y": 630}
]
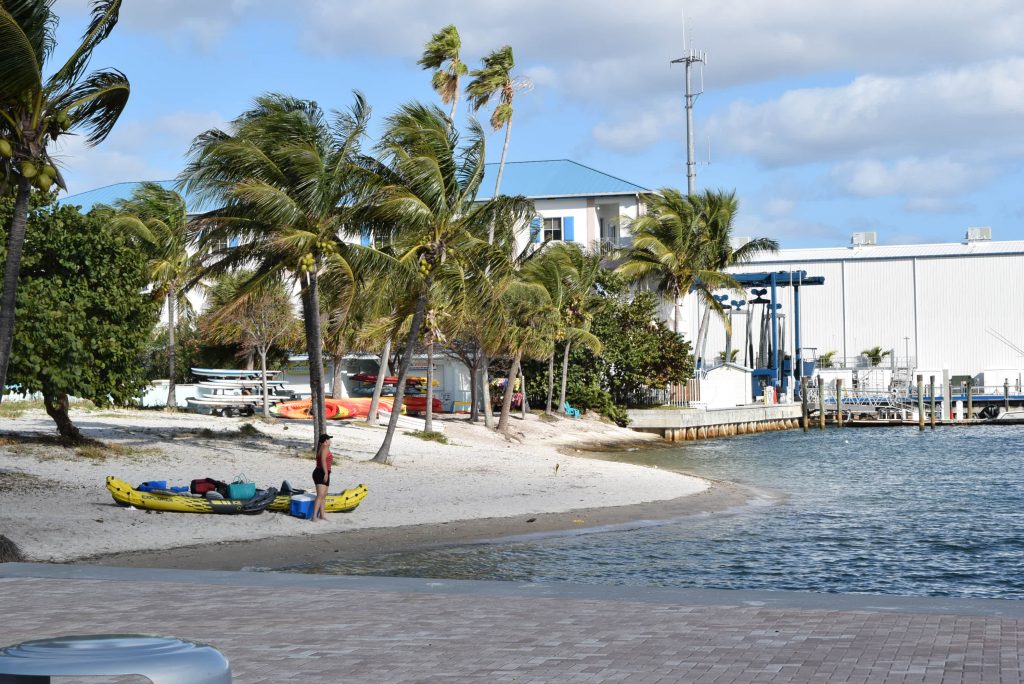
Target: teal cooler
[{"x": 241, "y": 490}]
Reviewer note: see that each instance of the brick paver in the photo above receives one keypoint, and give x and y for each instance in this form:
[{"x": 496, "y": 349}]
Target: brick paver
[{"x": 281, "y": 628}]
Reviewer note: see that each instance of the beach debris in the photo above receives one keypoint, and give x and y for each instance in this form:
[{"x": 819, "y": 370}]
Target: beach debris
[
  {"x": 579, "y": 521},
  {"x": 9, "y": 551},
  {"x": 532, "y": 520},
  {"x": 556, "y": 468}
]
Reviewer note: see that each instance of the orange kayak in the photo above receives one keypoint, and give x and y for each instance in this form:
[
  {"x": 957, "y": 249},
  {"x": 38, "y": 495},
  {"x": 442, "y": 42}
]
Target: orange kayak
[{"x": 353, "y": 407}]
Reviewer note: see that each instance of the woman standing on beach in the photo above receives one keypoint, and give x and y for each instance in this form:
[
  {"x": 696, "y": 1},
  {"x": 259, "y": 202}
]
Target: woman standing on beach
[{"x": 322, "y": 476}]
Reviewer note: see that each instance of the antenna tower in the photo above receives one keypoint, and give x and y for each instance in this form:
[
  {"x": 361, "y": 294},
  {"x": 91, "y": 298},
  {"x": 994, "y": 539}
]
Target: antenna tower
[{"x": 691, "y": 58}]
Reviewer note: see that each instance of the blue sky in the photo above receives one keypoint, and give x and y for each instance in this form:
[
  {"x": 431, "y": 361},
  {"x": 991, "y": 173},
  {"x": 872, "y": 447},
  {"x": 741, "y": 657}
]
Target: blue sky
[{"x": 898, "y": 116}]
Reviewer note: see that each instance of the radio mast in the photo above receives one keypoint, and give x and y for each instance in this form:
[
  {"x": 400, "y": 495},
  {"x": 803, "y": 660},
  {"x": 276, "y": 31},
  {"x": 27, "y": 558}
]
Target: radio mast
[{"x": 690, "y": 58}]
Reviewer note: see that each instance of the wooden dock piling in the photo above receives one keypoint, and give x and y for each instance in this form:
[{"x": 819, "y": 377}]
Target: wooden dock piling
[
  {"x": 839, "y": 402},
  {"x": 920, "y": 402},
  {"x": 1006, "y": 394},
  {"x": 821, "y": 404},
  {"x": 804, "y": 412},
  {"x": 931, "y": 396},
  {"x": 970, "y": 401}
]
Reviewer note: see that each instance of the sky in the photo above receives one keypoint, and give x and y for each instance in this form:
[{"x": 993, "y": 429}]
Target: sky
[{"x": 902, "y": 117}]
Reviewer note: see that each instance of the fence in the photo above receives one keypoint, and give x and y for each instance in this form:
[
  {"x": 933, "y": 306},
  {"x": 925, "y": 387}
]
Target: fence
[{"x": 682, "y": 395}]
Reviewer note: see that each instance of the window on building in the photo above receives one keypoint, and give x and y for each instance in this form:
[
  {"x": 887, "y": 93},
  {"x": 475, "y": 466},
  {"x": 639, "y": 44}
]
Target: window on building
[{"x": 552, "y": 229}]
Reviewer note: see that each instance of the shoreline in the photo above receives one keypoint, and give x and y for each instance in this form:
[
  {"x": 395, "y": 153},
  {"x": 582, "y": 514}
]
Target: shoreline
[
  {"x": 266, "y": 554},
  {"x": 544, "y": 478}
]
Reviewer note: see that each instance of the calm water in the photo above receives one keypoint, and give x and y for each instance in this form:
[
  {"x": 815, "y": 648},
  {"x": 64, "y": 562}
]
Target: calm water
[{"x": 858, "y": 510}]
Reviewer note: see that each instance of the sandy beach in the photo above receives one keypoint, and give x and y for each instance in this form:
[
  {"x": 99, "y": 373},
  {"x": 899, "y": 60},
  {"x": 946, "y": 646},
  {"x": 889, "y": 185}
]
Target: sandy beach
[{"x": 479, "y": 486}]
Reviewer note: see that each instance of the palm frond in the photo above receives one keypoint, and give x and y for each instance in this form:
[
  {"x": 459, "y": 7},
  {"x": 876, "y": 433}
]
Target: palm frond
[{"x": 104, "y": 18}]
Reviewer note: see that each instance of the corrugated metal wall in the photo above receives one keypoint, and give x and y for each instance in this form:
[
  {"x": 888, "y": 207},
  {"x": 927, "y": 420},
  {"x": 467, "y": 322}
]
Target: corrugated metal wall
[{"x": 938, "y": 310}]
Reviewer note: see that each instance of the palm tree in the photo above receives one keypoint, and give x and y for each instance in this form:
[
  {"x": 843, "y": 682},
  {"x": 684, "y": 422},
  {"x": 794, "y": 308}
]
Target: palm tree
[
  {"x": 425, "y": 190},
  {"x": 666, "y": 247},
  {"x": 158, "y": 218},
  {"x": 283, "y": 179},
  {"x": 441, "y": 53},
  {"x": 35, "y": 112},
  {"x": 530, "y": 324},
  {"x": 875, "y": 354},
  {"x": 494, "y": 79},
  {"x": 581, "y": 304},
  {"x": 716, "y": 213}
]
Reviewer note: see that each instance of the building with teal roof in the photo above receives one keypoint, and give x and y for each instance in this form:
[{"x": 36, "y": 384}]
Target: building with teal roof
[{"x": 574, "y": 202}]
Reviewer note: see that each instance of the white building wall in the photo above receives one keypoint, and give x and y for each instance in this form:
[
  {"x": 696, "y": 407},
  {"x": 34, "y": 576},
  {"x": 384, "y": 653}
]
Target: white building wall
[{"x": 938, "y": 309}]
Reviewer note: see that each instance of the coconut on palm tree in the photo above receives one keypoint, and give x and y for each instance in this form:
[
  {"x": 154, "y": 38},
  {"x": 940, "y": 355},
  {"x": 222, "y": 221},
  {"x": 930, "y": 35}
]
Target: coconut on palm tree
[
  {"x": 441, "y": 53},
  {"x": 424, "y": 191},
  {"x": 283, "y": 180},
  {"x": 35, "y": 112},
  {"x": 158, "y": 218}
]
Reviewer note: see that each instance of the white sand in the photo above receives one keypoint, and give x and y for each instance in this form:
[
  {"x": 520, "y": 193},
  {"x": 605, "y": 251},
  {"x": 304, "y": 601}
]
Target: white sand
[{"x": 56, "y": 507}]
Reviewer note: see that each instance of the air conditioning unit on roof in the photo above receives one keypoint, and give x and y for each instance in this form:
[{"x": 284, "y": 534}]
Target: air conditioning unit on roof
[
  {"x": 861, "y": 239},
  {"x": 979, "y": 234}
]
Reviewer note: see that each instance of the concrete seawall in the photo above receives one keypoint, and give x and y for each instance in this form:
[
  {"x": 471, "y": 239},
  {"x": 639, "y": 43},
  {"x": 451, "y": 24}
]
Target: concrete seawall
[{"x": 684, "y": 425}]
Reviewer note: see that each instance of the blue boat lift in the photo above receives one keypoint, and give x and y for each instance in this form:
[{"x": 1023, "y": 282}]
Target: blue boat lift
[{"x": 777, "y": 373}]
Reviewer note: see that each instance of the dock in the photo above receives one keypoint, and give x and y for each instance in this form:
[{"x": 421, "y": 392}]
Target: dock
[{"x": 689, "y": 424}]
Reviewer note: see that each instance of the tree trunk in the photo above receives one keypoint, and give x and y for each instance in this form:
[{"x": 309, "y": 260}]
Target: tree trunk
[
  {"x": 523, "y": 403},
  {"x": 506, "y": 400},
  {"x": 428, "y": 416},
  {"x": 501, "y": 171},
  {"x": 172, "y": 401},
  {"x": 317, "y": 358},
  {"x": 551, "y": 382},
  {"x": 383, "y": 454},
  {"x": 485, "y": 385},
  {"x": 12, "y": 269},
  {"x": 474, "y": 395},
  {"x": 565, "y": 376},
  {"x": 311, "y": 319},
  {"x": 702, "y": 333},
  {"x": 337, "y": 366},
  {"x": 382, "y": 371},
  {"x": 263, "y": 380},
  {"x": 56, "y": 404}
]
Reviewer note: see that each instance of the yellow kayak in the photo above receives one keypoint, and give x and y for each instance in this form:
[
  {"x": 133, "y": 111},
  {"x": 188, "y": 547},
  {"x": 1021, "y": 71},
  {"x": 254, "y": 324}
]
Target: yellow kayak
[
  {"x": 342, "y": 502},
  {"x": 126, "y": 495},
  {"x": 268, "y": 499}
]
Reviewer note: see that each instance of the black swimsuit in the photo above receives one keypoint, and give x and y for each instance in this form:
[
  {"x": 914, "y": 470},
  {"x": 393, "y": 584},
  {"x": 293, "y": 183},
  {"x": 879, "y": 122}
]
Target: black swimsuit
[{"x": 321, "y": 478}]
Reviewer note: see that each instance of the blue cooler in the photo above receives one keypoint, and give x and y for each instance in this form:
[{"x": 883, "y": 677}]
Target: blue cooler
[{"x": 302, "y": 506}]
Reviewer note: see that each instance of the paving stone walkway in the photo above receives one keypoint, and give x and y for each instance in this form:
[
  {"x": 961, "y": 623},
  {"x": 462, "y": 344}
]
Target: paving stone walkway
[{"x": 289, "y": 628}]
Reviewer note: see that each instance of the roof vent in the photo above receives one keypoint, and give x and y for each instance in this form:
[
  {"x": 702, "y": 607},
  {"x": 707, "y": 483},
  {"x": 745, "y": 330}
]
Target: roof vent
[
  {"x": 862, "y": 239},
  {"x": 978, "y": 234}
]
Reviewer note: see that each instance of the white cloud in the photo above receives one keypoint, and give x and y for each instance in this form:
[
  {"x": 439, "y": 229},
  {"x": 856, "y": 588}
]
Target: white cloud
[
  {"x": 135, "y": 150},
  {"x": 637, "y": 131},
  {"x": 935, "y": 177},
  {"x": 979, "y": 104}
]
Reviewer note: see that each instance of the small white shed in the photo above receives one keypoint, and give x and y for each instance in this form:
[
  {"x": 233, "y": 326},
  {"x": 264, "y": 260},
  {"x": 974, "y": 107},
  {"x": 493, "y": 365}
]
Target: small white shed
[{"x": 726, "y": 386}]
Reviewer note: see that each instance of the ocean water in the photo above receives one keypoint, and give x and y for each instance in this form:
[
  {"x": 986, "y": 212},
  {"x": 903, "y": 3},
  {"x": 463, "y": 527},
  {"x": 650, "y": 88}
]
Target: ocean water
[{"x": 881, "y": 510}]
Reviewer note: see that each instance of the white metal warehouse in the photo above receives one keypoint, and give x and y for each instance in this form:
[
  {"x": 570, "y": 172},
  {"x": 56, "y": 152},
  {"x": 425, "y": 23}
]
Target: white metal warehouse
[{"x": 956, "y": 306}]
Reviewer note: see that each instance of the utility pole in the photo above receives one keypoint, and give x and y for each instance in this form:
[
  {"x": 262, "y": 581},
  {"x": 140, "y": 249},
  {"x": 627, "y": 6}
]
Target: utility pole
[{"x": 691, "y": 57}]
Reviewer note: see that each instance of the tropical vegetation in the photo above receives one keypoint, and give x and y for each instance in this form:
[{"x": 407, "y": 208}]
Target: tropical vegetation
[
  {"x": 37, "y": 111},
  {"x": 392, "y": 247}
]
